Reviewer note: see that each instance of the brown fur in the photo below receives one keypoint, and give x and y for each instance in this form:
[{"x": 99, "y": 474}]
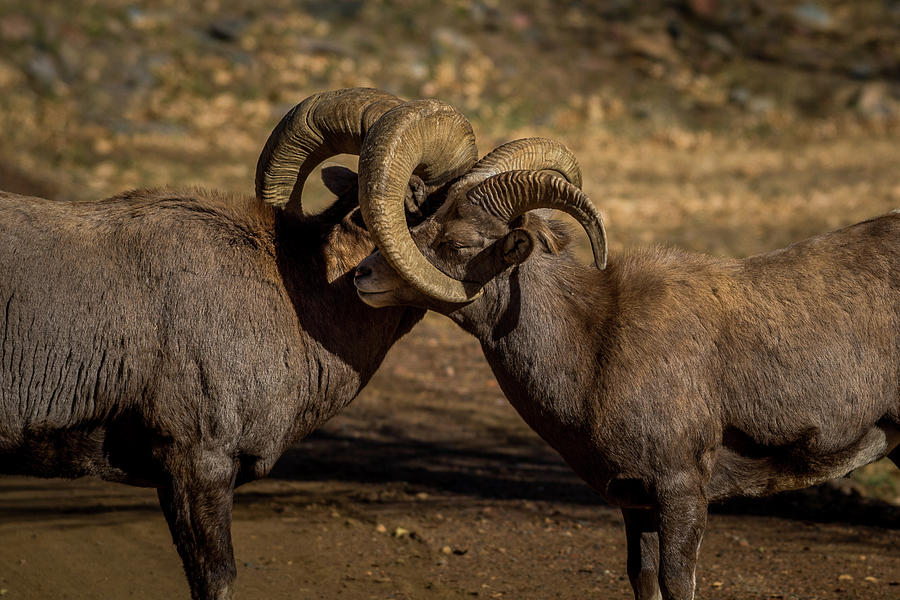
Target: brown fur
[
  {"x": 670, "y": 379},
  {"x": 180, "y": 340}
]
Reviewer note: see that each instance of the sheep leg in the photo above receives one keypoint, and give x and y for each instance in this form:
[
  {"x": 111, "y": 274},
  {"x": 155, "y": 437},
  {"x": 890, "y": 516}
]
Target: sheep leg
[
  {"x": 643, "y": 552},
  {"x": 197, "y": 503},
  {"x": 682, "y": 520}
]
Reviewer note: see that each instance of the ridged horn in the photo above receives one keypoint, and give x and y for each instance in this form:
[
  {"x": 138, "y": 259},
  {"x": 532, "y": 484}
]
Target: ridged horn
[
  {"x": 527, "y": 154},
  {"x": 321, "y": 126},
  {"x": 433, "y": 139},
  {"x": 510, "y": 194}
]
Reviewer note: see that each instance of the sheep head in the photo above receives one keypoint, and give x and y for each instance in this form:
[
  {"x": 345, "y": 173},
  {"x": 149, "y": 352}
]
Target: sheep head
[
  {"x": 483, "y": 229},
  {"x": 337, "y": 122}
]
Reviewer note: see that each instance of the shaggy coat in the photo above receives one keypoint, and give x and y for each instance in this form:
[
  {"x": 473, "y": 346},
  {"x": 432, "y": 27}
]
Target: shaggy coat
[
  {"x": 180, "y": 340},
  {"x": 670, "y": 380}
]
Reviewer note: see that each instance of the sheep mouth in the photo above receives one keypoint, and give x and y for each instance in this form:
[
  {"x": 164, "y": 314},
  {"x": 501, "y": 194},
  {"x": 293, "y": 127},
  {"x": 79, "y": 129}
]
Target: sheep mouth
[
  {"x": 372, "y": 292},
  {"x": 377, "y": 299}
]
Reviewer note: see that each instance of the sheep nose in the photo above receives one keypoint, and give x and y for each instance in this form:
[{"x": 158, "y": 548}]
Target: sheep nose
[{"x": 362, "y": 271}]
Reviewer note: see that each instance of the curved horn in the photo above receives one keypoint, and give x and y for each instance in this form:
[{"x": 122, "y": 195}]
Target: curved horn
[
  {"x": 527, "y": 154},
  {"x": 318, "y": 128},
  {"x": 510, "y": 194},
  {"x": 434, "y": 140}
]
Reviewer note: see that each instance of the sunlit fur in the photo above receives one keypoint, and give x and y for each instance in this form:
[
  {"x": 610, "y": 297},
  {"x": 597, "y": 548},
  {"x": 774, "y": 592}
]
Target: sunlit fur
[
  {"x": 672, "y": 379},
  {"x": 180, "y": 339}
]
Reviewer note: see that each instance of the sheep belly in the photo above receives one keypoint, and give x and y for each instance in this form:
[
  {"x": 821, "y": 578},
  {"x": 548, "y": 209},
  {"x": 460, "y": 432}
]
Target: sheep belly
[{"x": 744, "y": 471}]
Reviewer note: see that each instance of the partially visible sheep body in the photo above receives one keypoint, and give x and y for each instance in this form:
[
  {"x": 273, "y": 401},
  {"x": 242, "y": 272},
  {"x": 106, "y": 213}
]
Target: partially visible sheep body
[
  {"x": 670, "y": 380},
  {"x": 767, "y": 374},
  {"x": 176, "y": 339},
  {"x": 164, "y": 315},
  {"x": 183, "y": 339},
  {"x": 666, "y": 379}
]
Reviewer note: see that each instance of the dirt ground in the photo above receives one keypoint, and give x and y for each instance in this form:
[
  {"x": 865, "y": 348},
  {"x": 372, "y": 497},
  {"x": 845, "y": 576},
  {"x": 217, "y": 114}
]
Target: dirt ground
[{"x": 720, "y": 126}]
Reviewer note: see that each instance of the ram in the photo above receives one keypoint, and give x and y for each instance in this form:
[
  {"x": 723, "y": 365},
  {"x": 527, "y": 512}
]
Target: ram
[
  {"x": 667, "y": 380},
  {"x": 184, "y": 339}
]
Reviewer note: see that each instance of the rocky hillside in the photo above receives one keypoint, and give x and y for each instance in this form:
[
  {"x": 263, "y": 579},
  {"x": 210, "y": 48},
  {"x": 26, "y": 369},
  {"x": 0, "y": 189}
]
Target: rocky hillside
[{"x": 108, "y": 94}]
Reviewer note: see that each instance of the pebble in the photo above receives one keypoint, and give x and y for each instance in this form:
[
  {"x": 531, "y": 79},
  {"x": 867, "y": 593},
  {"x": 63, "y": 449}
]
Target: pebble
[
  {"x": 813, "y": 16},
  {"x": 16, "y": 28},
  {"x": 43, "y": 69},
  {"x": 874, "y": 101},
  {"x": 227, "y": 29}
]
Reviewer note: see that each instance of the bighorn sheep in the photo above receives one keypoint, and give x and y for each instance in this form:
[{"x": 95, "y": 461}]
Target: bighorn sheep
[
  {"x": 183, "y": 339},
  {"x": 667, "y": 380}
]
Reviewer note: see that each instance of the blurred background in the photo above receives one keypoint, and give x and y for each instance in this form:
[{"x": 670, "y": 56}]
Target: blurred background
[
  {"x": 726, "y": 126},
  {"x": 730, "y": 127}
]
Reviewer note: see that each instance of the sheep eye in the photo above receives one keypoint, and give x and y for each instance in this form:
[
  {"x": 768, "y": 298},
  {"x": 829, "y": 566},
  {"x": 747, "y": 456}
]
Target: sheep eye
[{"x": 454, "y": 244}]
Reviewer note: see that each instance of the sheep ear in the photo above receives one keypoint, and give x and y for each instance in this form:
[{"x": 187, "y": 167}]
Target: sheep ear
[
  {"x": 517, "y": 246},
  {"x": 339, "y": 180},
  {"x": 416, "y": 194},
  {"x": 414, "y": 201}
]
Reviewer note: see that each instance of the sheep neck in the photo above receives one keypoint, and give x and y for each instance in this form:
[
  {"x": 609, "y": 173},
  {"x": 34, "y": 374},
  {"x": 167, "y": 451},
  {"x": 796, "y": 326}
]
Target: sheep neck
[
  {"x": 532, "y": 324},
  {"x": 340, "y": 341}
]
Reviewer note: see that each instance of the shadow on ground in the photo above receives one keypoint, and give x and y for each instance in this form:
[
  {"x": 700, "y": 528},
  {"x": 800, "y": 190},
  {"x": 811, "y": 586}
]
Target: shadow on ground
[{"x": 533, "y": 473}]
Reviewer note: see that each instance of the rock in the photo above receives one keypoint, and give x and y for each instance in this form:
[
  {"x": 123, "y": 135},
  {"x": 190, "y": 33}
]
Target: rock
[
  {"x": 720, "y": 43},
  {"x": 875, "y": 101},
  {"x": 380, "y": 528},
  {"x": 674, "y": 29},
  {"x": 750, "y": 102},
  {"x": 449, "y": 41},
  {"x": 861, "y": 70},
  {"x": 227, "y": 29},
  {"x": 324, "y": 46},
  {"x": 446, "y": 550},
  {"x": 760, "y": 105},
  {"x": 140, "y": 19},
  {"x": 16, "y": 28},
  {"x": 329, "y": 10},
  {"x": 739, "y": 95},
  {"x": 43, "y": 70},
  {"x": 812, "y": 16},
  {"x": 703, "y": 8},
  {"x": 401, "y": 532},
  {"x": 657, "y": 47}
]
